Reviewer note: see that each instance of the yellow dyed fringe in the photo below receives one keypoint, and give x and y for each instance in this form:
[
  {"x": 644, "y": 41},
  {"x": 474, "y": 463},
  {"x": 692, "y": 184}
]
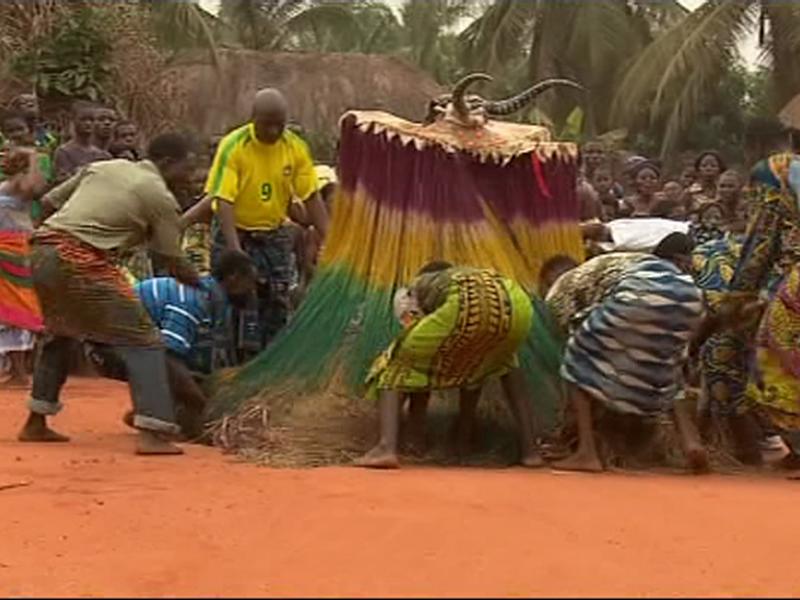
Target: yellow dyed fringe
[{"x": 386, "y": 246}]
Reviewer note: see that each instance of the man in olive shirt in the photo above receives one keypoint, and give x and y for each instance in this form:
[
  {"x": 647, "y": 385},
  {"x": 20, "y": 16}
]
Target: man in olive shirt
[{"x": 103, "y": 210}]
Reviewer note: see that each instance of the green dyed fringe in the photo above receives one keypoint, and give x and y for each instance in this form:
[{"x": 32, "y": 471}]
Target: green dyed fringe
[{"x": 342, "y": 324}]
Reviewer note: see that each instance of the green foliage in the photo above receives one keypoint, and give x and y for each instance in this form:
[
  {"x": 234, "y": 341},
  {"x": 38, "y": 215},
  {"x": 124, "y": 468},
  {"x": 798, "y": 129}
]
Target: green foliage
[
  {"x": 650, "y": 68},
  {"x": 182, "y": 25},
  {"x": 72, "y": 62},
  {"x": 573, "y": 126}
]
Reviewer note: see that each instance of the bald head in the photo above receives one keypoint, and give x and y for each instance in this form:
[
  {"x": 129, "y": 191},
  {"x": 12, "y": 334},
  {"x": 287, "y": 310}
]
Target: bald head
[{"x": 270, "y": 112}]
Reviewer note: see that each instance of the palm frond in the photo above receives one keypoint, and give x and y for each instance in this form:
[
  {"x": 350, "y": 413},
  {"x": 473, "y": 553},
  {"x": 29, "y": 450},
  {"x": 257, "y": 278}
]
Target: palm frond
[
  {"x": 492, "y": 38},
  {"x": 676, "y": 72},
  {"x": 338, "y": 16},
  {"x": 660, "y": 14},
  {"x": 601, "y": 37},
  {"x": 782, "y": 48},
  {"x": 184, "y": 24}
]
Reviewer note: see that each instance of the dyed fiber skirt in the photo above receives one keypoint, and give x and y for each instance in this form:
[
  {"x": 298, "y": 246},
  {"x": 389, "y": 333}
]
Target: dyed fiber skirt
[
  {"x": 474, "y": 335},
  {"x": 775, "y": 390},
  {"x": 629, "y": 350},
  {"x": 84, "y": 295}
]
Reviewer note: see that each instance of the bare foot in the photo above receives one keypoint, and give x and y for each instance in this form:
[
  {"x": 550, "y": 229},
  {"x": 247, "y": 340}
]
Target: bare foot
[
  {"x": 44, "y": 434},
  {"x": 378, "y": 458},
  {"x": 153, "y": 444},
  {"x": 36, "y": 430},
  {"x": 697, "y": 458},
  {"x": 127, "y": 418},
  {"x": 533, "y": 460},
  {"x": 578, "y": 462}
]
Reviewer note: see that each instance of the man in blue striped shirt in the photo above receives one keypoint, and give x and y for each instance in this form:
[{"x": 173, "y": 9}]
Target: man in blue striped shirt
[
  {"x": 187, "y": 316},
  {"x": 195, "y": 326}
]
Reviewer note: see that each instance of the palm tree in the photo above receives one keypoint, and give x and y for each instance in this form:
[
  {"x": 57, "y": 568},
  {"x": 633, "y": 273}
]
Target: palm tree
[
  {"x": 280, "y": 24},
  {"x": 428, "y": 38},
  {"x": 182, "y": 25},
  {"x": 371, "y": 28},
  {"x": 525, "y": 40},
  {"x": 677, "y": 75}
]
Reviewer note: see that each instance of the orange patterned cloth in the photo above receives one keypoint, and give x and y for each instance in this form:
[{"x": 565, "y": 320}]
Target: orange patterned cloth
[
  {"x": 84, "y": 295},
  {"x": 776, "y": 389},
  {"x": 19, "y": 306}
]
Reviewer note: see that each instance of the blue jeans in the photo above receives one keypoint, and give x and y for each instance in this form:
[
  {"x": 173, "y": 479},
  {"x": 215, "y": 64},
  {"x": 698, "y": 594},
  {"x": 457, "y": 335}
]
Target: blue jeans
[{"x": 147, "y": 378}]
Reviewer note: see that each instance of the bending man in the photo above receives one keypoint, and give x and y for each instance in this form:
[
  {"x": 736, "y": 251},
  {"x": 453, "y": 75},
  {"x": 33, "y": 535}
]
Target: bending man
[
  {"x": 196, "y": 329},
  {"x": 474, "y": 323},
  {"x": 106, "y": 208}
]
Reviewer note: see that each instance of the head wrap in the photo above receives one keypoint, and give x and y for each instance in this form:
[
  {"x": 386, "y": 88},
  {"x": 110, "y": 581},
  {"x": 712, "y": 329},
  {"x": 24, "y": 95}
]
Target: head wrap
[{"x": 325, "y": 175}]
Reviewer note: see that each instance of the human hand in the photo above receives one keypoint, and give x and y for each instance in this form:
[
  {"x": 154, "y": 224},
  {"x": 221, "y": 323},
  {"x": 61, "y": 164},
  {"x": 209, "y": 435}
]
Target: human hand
[{"x": 185, "y": 273}]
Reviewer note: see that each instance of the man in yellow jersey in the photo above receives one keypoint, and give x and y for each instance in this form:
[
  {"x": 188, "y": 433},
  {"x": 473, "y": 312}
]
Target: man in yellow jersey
[{"x": 258, "y": 170}]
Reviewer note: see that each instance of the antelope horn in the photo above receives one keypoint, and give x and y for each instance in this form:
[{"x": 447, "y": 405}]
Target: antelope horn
[
  {"x": 457, "y": 97},
  {"x": 515, "y": 103}
]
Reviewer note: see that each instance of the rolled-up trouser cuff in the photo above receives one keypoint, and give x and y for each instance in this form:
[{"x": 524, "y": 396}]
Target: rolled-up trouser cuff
[
  {"x": 40, "y": 407},
  {"x": 152, "y": 424}
]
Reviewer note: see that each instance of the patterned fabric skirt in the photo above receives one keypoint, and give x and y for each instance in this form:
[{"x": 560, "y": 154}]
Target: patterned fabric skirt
[
  {"x": 474, "y": 335},
  {"x": 84, "y": 295},
  {"x": 775, "y": 391},
  {"x": 19, "y": 306},
  {"x": 20, "y": 315},
  {"x": 629, "y": 351},
  {"x": 725, "y": 355}
]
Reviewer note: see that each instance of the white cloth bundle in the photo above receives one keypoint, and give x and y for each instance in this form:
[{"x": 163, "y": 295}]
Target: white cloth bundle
[{"x": 640, "y": 235}]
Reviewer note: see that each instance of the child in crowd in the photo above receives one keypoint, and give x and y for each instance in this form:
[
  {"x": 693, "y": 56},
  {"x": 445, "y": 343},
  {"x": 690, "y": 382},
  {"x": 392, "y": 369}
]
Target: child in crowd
[
  {"x": 673, "y": 191},
  {"x": 23, "y": 183},
  {"x": 126, "y": 141},
  {"x": 17, "y": 133},
  {"x": 688, "y": 177},
  {"x": 711, "y": 224},
  {"x": 603, "y": 183}
]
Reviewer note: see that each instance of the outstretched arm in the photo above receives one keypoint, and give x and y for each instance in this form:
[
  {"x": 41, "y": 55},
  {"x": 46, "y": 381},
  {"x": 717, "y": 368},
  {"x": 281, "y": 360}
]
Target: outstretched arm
[
  {"x": 228, "y": 224},
  {"x": 59, "y": 195},
  {"x": 201, "y": 212},
  {"x": 317, "y": 214},
  {"x": 32, "y": 183}
]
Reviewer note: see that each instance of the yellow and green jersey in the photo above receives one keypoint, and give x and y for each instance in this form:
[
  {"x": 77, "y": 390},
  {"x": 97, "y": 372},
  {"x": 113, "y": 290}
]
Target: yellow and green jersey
[{"x": 261, "y": 180}]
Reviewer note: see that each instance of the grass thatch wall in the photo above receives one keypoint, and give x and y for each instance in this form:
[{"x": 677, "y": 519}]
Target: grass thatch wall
[{"x": 320, "y": 87}]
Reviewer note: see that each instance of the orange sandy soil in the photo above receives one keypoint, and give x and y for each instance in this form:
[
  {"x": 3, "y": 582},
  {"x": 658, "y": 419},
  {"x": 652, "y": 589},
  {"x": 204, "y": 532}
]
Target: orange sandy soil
[{"x": 97, "y": 520}]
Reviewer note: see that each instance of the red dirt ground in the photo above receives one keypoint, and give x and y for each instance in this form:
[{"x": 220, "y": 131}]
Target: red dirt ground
[{"x": 97, "y": 520}]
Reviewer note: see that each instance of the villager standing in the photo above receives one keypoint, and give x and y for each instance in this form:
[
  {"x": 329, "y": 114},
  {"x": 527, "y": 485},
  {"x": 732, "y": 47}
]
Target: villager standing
[{"x": 258, "y": 170}]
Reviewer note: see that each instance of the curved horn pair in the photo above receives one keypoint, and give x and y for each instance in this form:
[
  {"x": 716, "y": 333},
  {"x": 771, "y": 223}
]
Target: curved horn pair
[
  {"x": 457, "y": 96},
  {"x": 511, "y": 105}
]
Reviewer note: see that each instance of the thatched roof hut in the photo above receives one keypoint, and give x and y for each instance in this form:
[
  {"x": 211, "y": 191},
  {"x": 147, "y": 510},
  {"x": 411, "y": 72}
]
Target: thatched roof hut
[
  {"x": 790, "y": 114},
  {"x": 320, "y": 87}
]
